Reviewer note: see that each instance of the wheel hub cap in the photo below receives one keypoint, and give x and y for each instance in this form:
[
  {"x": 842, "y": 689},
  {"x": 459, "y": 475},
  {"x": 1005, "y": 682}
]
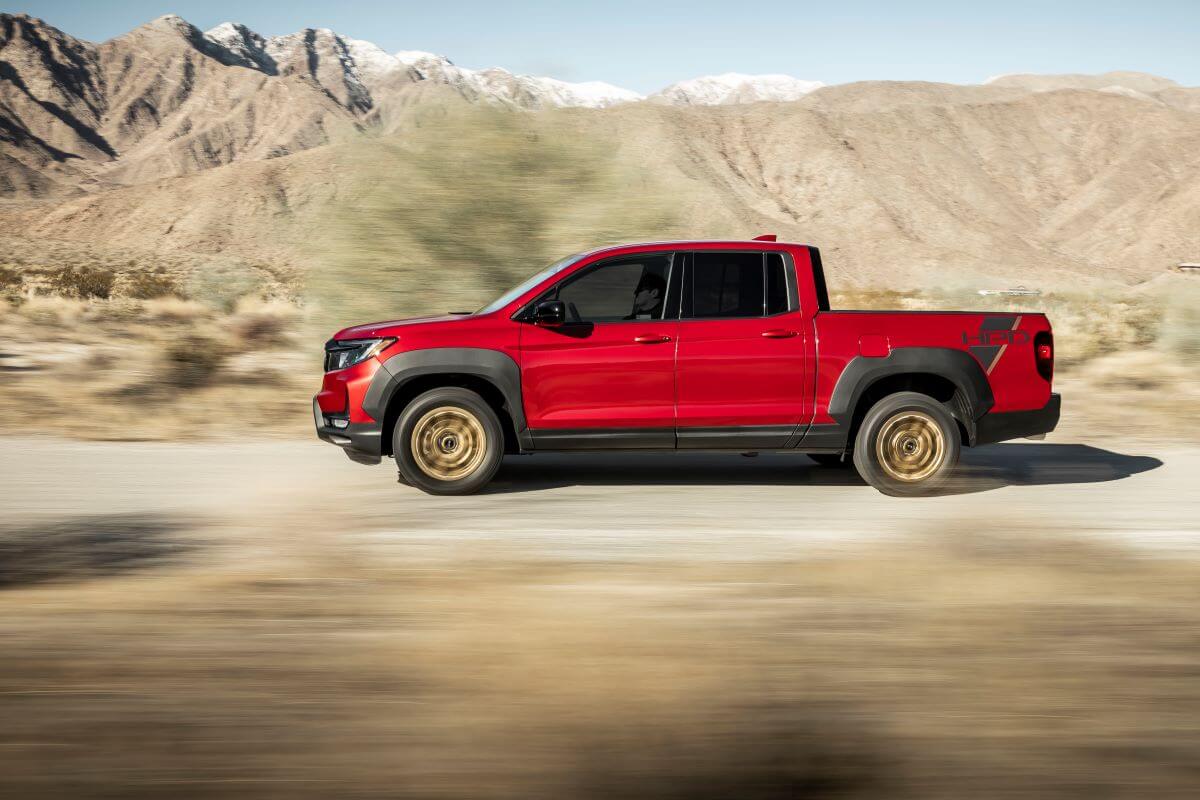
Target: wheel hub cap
[
  {"x": 911, "y": 446},
  {"x": 448, "y": 443}
]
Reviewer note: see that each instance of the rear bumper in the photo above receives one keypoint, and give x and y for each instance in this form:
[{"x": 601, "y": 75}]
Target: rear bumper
[
  {"x": 1017, "y": 424},
  {"x": 362, "y": 441}
]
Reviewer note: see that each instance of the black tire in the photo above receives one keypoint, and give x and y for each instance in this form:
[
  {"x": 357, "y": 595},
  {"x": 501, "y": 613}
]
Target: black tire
[
  {"x": 458, "y": 447},
  {"x": 908, "y": 445},
  {"x": 831, "y": 460}
]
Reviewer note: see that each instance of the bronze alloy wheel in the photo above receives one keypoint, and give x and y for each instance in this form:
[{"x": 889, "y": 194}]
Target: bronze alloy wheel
[
  {"x": 448, "y": 443},
  {"x": 910, "y": 446}
]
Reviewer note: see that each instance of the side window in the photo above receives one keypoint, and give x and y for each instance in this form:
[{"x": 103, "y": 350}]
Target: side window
[
  {"x": 727, "y": 285},
  {"x": 777, "y": 289},
  {"x": 630, "y": 288}
]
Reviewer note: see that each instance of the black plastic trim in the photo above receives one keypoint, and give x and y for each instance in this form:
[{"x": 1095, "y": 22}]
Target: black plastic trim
[
  {"x": 361, "y": 440},
  {"x": 492, "y": 365},
  {"x": 748, "y": 437},
  {"x": 1016, "y": 424},
  {"x": 824, "y": 438},
  {"x": 603, "y": 438},
  {"x": 818, "y": 275},
  {"x": 956, "y": 366}
]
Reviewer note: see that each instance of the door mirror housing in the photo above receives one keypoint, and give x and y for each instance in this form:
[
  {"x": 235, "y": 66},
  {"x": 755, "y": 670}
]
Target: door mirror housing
[{"x": 550, "y": 313}]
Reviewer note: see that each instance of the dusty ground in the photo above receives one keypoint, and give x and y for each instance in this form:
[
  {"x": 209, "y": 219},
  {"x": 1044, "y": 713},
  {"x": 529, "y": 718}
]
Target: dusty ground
[{"x": 267, "y": 619}]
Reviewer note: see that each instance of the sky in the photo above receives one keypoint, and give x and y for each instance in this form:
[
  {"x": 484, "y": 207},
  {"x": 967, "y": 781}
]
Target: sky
[{"x": 647, "y": 45}]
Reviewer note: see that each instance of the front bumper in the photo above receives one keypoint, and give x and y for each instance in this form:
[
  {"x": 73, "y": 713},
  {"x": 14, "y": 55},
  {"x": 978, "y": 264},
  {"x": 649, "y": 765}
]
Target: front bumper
[
  {"x": 362, "y": 441},
  {"x": 1017, "y": 424}
]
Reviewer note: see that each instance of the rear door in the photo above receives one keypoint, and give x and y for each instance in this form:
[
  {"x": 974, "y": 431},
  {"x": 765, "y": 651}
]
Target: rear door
[
  {"x": 606, "y": 378},
  {"x": 742, "y": 377}
]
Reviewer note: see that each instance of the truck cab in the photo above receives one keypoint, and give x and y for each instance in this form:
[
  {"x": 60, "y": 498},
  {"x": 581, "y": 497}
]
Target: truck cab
[{"x": 697, "y": 345}]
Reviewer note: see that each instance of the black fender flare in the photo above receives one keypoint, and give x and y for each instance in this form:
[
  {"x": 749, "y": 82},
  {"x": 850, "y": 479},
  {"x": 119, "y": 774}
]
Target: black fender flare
[
  {"x": 973, "y": 399},
  {"x": 496, "y": 367}
]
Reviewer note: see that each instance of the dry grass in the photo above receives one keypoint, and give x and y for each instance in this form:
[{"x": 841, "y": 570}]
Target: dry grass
[
  {"x": 161, "y": 368},
  {"x": 297, "y": 664},
  {"x": 82, "y": 282}
]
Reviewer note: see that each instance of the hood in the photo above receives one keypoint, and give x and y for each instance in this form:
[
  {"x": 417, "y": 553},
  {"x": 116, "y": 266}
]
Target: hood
[{"x": 374, "y": 329}]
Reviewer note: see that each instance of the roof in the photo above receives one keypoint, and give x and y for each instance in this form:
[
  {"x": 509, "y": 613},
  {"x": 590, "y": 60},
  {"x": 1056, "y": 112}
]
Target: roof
[{"x": 749, "y": 244}]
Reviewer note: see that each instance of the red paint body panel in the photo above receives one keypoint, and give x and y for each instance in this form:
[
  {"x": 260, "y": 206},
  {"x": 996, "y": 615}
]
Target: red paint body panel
[
  {"x": 1016, "y": 386},
  {"x": 727, "y": 373},
  {"x": 345, "y": 389},
  {"x": 606, "y": 380},
  {"x": 711, "y": 373}
]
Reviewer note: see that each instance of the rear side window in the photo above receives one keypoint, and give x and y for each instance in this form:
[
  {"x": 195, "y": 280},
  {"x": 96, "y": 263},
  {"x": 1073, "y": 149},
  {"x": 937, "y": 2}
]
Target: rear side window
[
  {"x": 736, "y": 285},
  {"x": 727, "y": 285},
  {"x": 777, "y": 290}
]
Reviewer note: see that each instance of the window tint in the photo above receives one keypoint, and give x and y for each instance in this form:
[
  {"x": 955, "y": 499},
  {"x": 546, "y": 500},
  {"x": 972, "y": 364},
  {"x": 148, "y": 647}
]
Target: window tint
[
  {"x": 624, "y": 289},
  {"x": 727, "y": 285},
  {"x": 777, "y": 290}
]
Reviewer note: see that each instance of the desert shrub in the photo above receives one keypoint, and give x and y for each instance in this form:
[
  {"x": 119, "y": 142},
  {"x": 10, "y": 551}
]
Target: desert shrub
[
  {"x": 9, "y": 278},
  {"x": 192, "y": 361},
  {"x": 260, "y": 322},
  {"x": 1180, "y": 330},
  {"x": 83, "y": 282},
  {"x": 221, "y": 284},
  {"x": 148, "y": 285}
]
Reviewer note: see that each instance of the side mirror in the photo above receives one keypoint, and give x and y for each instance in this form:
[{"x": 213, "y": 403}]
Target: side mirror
[{"x": 550, "y": 313}]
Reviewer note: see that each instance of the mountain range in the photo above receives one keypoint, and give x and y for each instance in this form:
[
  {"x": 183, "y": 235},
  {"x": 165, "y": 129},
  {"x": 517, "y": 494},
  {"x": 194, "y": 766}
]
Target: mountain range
[{"x": 175, "y": 139}]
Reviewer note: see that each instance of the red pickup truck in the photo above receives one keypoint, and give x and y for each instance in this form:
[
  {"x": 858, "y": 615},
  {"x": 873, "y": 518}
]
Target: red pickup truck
[{"x": 697, "y": 345}]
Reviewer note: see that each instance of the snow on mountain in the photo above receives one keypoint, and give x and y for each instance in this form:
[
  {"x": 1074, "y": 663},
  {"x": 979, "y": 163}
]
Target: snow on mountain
[
  {"x": 370, "y": 60},
  {"x": 418, "y": 56},
  {"x": 322, "y": 56},
  {"x": 734, "y": 87},
  {"x": 245, "y": 44},
  {"x": 529, "y": 91},
  {"x": 350, "y": 68},
  {"x": 361, "y": 64},
  {"x": 591, "y": 94}
]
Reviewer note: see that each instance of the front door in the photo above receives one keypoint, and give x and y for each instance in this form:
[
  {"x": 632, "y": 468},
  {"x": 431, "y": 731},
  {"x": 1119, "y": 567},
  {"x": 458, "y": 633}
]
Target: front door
[
  {"x": 741, "y": 372},
  {"x": 605, "y": 379}
]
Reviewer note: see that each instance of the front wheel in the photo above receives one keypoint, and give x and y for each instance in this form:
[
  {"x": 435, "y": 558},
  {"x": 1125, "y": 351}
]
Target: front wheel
[
  {"x": 908, "y": 445},
  {"x": 448, "y": 441}
]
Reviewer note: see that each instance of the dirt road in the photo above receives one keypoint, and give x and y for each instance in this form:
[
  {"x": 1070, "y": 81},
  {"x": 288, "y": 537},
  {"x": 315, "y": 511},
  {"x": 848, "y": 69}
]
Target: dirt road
[{"x": 686, "y": 505}]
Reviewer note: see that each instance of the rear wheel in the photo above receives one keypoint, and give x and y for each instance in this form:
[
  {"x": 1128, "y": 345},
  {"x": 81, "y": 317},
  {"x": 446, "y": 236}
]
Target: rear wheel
[
  {"x": 448, "y": 441},
  {"x": 908, "y": 445}
]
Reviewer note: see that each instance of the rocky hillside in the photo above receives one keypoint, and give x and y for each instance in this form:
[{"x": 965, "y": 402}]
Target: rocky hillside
[{"x": 169, "y": 139}]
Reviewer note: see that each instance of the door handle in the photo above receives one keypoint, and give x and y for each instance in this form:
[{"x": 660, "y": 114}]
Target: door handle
[
  {"x": 778, "y": 333},
  {"x": 648, "y": 338}
]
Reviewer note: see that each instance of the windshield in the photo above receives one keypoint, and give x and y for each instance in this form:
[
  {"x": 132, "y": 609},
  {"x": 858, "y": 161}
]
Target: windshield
[{"x": 527, "y": 284}]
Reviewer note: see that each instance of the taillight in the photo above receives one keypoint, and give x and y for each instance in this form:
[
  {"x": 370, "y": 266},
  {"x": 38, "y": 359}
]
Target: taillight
[{"x": 1043, "y": 354}]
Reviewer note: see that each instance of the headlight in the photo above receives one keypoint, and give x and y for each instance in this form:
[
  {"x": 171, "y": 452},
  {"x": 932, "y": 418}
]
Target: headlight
[{"x": 343, "y": 353}]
